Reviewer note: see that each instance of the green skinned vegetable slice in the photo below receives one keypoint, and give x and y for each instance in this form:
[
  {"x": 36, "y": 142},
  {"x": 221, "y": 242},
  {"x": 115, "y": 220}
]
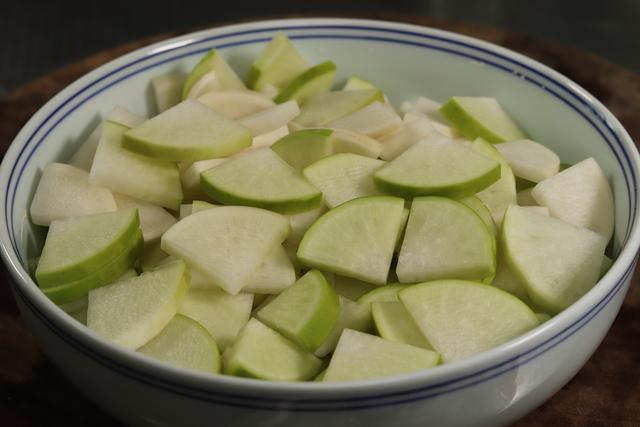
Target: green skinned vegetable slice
[
  {"x": 262, "y": 353},
  {"x": 356, "y": 239},
  {"x": 260, "y": 178},
  {"x": 187, "y": 132},
  {"x": 185, "y": 343},
  {"x": 447, "y": 169},
  {"x": 312, "y": 82},
  {"x": 481, "y": 117},
  {"x": 305, "y": 313},
  {"x": 104, "y": 275},
  {"x": 226, "y": 78},
  {"x": 343, "y": 177},
  {"x": 331, "y": 106},
  {"x": 445, "y": 239},
  {"x": 278, "y": 64},
  {"x": 461, "y": 318},
  {"x": 80, "y": 245},
  {"x": 123, "y": 171},
  {"x": 360, "y": 356},
  {"x": 557, "y": 262},
  {"x": 133, "y": 311},
  {"x": 303, "y": 147},
  {"x": 237, "y": 241}
]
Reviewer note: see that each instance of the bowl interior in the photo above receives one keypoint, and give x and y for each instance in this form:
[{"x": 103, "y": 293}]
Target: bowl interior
[{"x": 405, "y": 63}]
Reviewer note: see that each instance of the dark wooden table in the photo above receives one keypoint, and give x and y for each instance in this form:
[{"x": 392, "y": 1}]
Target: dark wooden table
[{"x": 606, "y": 392}]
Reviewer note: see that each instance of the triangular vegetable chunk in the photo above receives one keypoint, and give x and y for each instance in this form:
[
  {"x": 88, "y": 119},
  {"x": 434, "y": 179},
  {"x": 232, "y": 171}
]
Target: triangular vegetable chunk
[
  {"x": 331, "y": 106},
  {"x": 356, "y": 239},
  {"x": 134, "y": 311},
  {"x": 580, "y": 195},
  {"x": 359, "y": 356},
  {"x": 237, "y": 241},
  {"x": 262, "y": 179},
  {"x": 188, "y": 131},
  {"x": 556, "y": 261},
  {"x": 442, "y": 169},
  {"x": 445, "y": 239},
  {"x": 461, "y": 318},
  {"x": 185, "y": 343},
  {"x": 64, "y": 191}
]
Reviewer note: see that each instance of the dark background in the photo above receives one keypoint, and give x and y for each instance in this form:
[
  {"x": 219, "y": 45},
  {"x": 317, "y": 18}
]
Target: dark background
[{"x": 38, "y": 36}]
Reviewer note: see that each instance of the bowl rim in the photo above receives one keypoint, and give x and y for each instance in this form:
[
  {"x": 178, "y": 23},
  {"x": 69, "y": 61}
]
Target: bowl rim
[{"x": 362, "y": 390}]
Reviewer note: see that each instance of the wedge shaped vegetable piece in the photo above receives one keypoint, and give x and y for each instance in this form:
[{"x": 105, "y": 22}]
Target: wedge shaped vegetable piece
[
  {"x": 356, "y": 239},
  {"x": 154, "y": 220},
  {"x": 394, "y": 323},
  {"x": 345, "y": 141},
  {"x": 374, "y": 120},
  {"x": 443, "y": 169},
  {"x": 213, "y": 61},
  {"x": 352, "y": 315},
  {"x": 387, "y": 293},
  {"x": 396, "y": 142},
  {"x": 579, "y": 195},
  {"x": 476, "y": 205},
  {"x": 274, "y": 275},
  {"x": 221, "y": 314},
  {"x": 312, "y": 82},
  {"x": 77, "y": 246},
  {"x": 270, "y": 119},
  {"x": 271, "y": 137},
  {"x": 301, "y": 222},
  {"x": 234, "y": 104},
  {"x": 481, "y": 117},
  {"x": 122, "y": 171},
  {"x": 331, "y": 106},
  {"x": 501, "y": 193},
  {"x": 237, "y": 241},
  {"x": 190, "y": 177},
  {"x": 260, "y": 352},
  {"x": 556, "y": 261},
  {"x": 262, "y": 179},
  {"x": 305, "y": 313},
  {"x": 303, "y": 147},
  {"x": 64, "y": 191},
  {"x": 167, "y": 90},
  {"x": 132, "y": 312},
  {"x": 343, "y": 177},
  {"x": 188, "y": 131},
  {"x": 461, "y": 318},
  {"x": 185, "y": 343},
  {"x": 278, "y": 64},
  {"x": 360, "y": 356},
  {"x": 445, "y": 239},
  {"x": 529, "y": 159}
]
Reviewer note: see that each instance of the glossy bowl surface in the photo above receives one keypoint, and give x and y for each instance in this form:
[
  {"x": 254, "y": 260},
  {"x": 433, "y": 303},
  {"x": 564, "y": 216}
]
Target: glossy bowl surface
[{"x": 492, "y": 388}]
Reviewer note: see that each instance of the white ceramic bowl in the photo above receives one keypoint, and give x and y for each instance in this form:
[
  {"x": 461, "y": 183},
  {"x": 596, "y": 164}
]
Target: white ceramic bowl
[{"x": 492, "y": 388}]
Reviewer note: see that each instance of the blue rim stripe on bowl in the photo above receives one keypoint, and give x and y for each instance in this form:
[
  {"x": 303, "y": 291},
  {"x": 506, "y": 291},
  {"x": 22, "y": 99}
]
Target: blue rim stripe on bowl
[
  {"x": 311, "y": 405},
  {"x": 584, "y": 102}
]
